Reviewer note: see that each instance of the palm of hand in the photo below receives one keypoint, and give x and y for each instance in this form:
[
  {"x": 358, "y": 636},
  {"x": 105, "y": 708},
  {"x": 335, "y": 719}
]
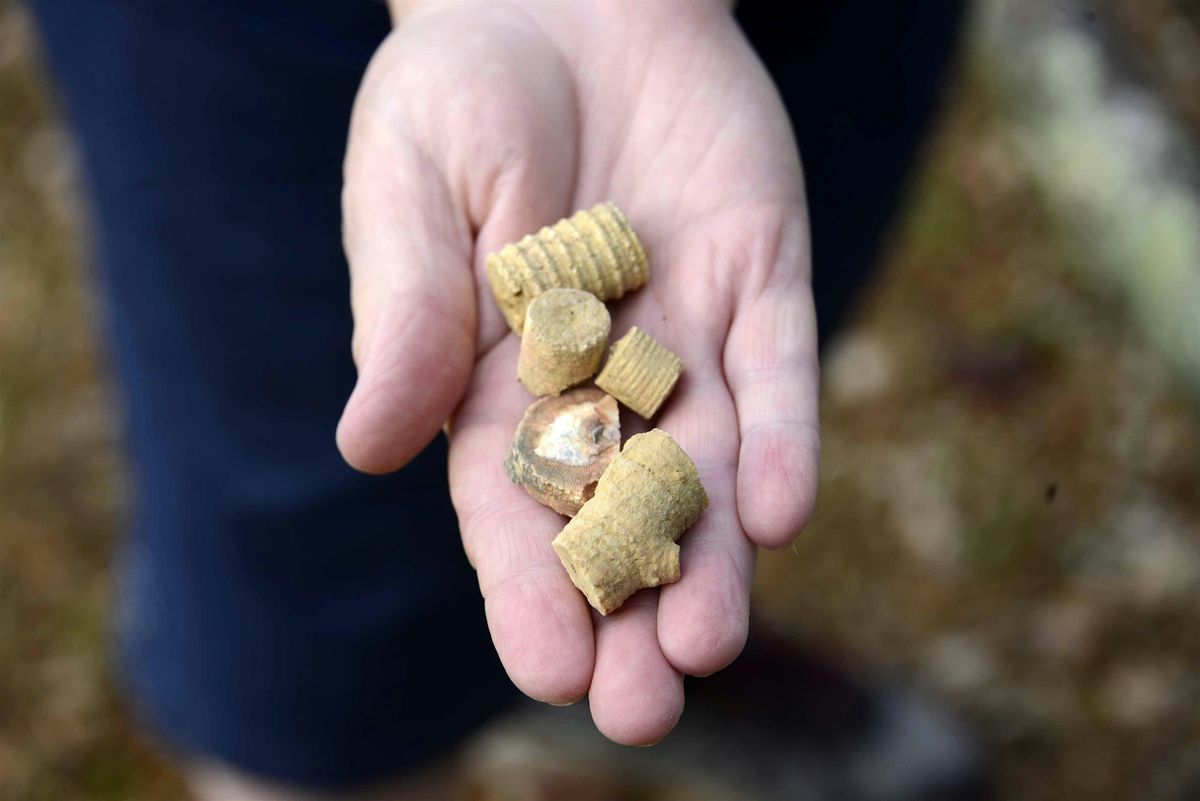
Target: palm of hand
[{"x": 476, "y": 126}]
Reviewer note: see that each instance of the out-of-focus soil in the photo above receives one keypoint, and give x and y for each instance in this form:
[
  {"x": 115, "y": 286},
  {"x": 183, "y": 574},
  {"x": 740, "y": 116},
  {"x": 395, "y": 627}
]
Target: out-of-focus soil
[
  {"x": 1010, "y": 495},
  {"x": 63, "y": 734}
]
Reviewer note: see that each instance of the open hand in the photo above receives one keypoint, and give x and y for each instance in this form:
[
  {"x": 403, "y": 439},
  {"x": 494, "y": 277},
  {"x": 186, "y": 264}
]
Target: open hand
[{"x": 479, "y": 123}]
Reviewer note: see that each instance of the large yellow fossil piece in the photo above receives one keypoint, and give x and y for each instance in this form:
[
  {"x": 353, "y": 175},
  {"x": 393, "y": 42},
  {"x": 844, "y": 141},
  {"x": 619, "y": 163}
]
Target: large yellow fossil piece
[{"x": 624, "y": 538}]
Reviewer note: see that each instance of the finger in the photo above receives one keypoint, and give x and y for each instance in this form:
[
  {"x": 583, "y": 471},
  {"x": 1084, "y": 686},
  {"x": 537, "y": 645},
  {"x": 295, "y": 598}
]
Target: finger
[
  {"x": 636, "y": 696},
  {"x": 411, "y": 291},
  {"x": 533, "y": 191},
  {"x": 538, "y": 620},
  {"x": 467, "y": 123},
  {"x": 771, "y": 367},
  {"x": 703, "y": 619},
  {"x": 505, "y": 124},
  {"x": 509, "y": 133}
]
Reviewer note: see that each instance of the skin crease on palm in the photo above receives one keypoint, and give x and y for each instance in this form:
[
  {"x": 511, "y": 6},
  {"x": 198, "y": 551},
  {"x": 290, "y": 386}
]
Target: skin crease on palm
[{"x": 478, "y": 123}]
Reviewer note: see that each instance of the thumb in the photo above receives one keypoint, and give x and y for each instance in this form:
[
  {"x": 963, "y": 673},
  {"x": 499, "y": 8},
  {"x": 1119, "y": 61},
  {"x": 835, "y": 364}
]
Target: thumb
[
  {"x": 463, "y": 137},
  {"x": 409, "y": 250}
]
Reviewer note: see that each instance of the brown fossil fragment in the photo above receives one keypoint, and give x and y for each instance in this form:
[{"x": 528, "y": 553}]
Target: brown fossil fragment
[
  {"x": 594, "y": 250},
  {"x": 640, "y": 372},
  {"x": 565, "y": 334},
  {"x": 624, "y": 538},
  {"x": 563, "y": 446}
]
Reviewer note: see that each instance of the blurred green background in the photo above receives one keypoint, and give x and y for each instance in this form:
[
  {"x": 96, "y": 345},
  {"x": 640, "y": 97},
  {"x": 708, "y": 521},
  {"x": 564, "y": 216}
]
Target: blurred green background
[{"x": 1009, "y": 511}]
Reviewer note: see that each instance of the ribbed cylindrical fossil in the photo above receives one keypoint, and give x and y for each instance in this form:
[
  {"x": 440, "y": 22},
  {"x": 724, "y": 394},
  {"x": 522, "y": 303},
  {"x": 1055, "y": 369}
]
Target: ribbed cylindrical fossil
[
  {"x": 594, "y": 250},
  {"x": 563, "y": 446},
  {"x": 640, "y": 372},
  {"x": 624, "y": 538},
  {"x": 566, "y": 331}
]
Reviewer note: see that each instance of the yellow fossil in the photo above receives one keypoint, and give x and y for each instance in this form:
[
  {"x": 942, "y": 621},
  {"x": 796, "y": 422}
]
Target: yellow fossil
[
  {"x": 640, "y": 372},
  {"x": 594, "y": 250},
  {"x": 565, "y": 334},
  {"x": 624, "y": 538}
]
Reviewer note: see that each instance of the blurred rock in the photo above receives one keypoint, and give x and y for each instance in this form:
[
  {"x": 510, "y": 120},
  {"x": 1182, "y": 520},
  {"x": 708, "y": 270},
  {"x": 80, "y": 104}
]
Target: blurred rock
[
  {"x": 1066, "y": 630},
  {"x": 1171, "y": 443},
  {"x": 959, "y": 663},
  {"x": 921, "y": 507},
  {"x": 71, "y": 693},
  {"x": 16, "y": 35},
  {"x": 1141, "y": 694},
  {"x": 1164, "y": 37},
  {"x": 21, "y": 301},
  {"x": 858, "y": 368},
  {"x": 1149, "y": 554},
  {"x": 50, "y": 162}
]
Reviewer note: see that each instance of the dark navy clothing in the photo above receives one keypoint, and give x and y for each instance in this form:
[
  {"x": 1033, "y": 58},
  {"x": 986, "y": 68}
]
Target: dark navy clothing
[{"x": 277, "y": 610}]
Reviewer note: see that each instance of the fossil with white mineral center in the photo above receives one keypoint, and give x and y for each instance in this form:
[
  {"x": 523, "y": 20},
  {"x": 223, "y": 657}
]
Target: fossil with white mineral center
[{"x": 562, "y": 447}]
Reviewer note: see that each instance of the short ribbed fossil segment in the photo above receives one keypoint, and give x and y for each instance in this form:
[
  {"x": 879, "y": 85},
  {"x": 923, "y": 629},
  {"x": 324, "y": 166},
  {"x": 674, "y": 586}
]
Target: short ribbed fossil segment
[
  {"x": 563, "y": 446},
  {"x": 565, "y": 334},
  {"x": 594, "y": 250},
  {"x": 640, "y": 372},
  {"x": 623, "y": 539}
]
